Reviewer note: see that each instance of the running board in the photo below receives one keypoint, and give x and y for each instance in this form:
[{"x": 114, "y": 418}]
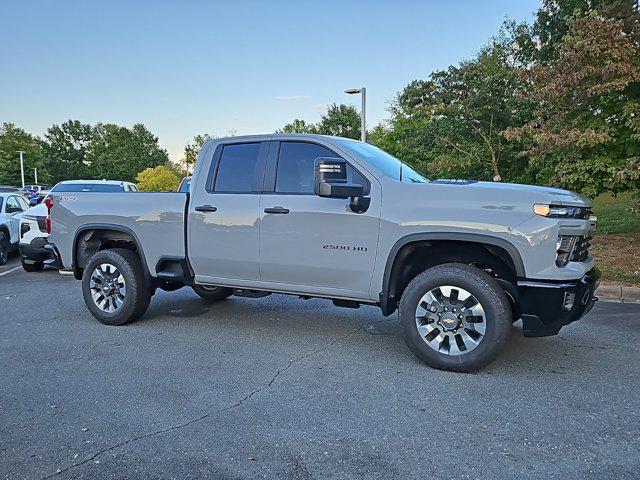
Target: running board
[{"x": 243, "y": 292}]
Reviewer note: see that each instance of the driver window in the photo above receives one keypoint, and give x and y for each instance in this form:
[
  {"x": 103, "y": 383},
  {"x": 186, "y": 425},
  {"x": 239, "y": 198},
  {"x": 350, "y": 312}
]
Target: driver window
[{"x": 295, "y": 173}]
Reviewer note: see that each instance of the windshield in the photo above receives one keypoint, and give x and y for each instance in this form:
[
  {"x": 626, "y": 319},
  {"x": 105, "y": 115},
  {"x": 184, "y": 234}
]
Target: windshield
[
  {"x": 87, "y": 187},
  {"x": 389, "y": 165}
]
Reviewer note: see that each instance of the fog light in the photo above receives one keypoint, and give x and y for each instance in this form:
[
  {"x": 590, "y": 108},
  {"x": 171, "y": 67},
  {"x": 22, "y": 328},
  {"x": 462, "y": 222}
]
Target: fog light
[{"x": 569, "y": 299}]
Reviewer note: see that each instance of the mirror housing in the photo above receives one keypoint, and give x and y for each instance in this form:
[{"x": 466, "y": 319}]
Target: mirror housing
[{"x": 331, "y": 179}]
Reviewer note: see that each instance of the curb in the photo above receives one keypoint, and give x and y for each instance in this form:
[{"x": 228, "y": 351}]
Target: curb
[{"x": 619, "y": 293}]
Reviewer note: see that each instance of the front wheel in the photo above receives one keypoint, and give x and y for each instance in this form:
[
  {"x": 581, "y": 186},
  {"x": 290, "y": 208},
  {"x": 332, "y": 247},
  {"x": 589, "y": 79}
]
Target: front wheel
[
  {"x": 114, "y": 287},
  {"x": 4, "y": 248},
  {"x": 455, "y": 317}
]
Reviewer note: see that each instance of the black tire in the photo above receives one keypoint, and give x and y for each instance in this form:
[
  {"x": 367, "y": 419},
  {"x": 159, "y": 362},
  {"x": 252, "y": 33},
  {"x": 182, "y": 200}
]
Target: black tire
[
  {"x": 4, "y": 248},
  {"x": 491, "y": 296},
  {"x": 138, "y": 290},
  {"x": 32, "y": 267},
  {"x": 212, "y": 294}
]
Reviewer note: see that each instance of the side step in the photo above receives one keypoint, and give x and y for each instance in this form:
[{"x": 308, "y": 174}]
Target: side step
[{"x": 242, "y": 292}]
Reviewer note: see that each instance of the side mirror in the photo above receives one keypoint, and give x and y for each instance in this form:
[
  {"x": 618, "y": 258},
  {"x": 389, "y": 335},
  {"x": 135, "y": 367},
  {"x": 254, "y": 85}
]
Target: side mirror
[{"x": 331, "y": 181}]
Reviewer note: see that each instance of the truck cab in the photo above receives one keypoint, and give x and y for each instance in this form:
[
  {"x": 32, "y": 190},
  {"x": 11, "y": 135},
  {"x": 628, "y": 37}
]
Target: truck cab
[{"x": 329, "y": 217}]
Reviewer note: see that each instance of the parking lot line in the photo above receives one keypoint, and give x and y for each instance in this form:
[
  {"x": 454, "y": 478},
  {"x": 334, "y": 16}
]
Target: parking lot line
[{"x": 9, "y": 271}]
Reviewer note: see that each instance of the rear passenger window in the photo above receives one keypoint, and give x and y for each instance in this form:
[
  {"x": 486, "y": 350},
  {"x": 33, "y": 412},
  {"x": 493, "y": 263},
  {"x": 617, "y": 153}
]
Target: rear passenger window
[
  {"x": 296, "y": 167},
  {"x": 236, "y": 168}
]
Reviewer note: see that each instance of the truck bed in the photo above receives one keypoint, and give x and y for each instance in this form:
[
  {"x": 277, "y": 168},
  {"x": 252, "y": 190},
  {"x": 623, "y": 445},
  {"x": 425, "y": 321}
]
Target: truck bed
[{"x": 155, "y": 220}]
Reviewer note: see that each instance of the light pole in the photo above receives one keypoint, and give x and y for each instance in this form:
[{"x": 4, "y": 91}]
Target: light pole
[
  {"x": 21, "y": 166},
  {"x": 363, "y": 109}
]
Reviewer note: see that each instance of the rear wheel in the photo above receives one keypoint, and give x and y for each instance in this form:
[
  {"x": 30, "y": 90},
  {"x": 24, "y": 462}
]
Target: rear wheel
[
  {"x": 455, "y": 317},
  {"x": 4, "y": 248},
  {"x": 114, "y": 287},
  {"x": 32, "y": 267},
  {"x": 212, "y": 293}
]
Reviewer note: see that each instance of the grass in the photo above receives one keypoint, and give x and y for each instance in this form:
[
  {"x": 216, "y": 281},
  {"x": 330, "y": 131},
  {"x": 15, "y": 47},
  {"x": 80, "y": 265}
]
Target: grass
[
  {"x": 617, "y": 215},
  {"x": 616, "y": 245}
]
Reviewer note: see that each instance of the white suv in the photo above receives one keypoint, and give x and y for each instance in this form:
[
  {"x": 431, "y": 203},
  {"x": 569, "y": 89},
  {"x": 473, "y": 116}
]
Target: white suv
[
  {"x": 12, "y": 206},
  {"x": 33, "y": 229}
]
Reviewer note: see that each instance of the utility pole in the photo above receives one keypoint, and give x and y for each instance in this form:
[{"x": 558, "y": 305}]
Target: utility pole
[
  {"x": 21, "y": 166},
  {"x": 35, "y": 175}
]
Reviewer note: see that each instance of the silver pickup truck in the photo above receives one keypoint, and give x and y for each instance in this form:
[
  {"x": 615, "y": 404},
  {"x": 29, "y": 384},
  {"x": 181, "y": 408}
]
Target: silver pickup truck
[{"x": 329, "y": 217}]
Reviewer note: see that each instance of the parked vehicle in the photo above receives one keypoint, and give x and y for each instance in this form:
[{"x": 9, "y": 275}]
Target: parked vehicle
[
  {"x": 12, "y": 206},
  {"x": 36, "y": 193},
  {"x": 185, "y": 184},
  {"x": 330, "y": 217},
  {"x": 33, "y": 230}
]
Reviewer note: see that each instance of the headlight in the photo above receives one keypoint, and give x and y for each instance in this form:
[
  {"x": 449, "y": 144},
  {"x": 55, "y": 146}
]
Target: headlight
[
  {"x": 564, "y": 249},
  {"x": 554, "y": 211},
  {"x": 558, "y": 211}
]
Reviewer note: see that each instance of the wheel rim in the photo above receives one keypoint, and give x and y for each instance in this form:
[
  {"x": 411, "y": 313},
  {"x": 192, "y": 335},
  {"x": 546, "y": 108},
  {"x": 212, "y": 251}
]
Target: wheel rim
[
  {"x": 108, "y": 288},
  {"x": 450, "y": 320}
]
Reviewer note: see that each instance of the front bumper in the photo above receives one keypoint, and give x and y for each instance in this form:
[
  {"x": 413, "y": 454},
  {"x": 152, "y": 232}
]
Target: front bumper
[{"x": 542, "y": 303}]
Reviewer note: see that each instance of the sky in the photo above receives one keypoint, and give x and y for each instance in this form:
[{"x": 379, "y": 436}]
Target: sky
[{"x": 187, "y": 67}]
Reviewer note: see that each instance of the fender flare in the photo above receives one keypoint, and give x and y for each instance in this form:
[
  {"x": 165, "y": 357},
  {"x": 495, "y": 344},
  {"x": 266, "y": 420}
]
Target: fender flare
[
  {"x": 510, "y": 248},
  {"x": 106, "y": 226}
]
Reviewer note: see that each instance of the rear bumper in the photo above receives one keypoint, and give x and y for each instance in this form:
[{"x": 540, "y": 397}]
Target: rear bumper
[
  {"x": 35, "y": 251},
  {"x": 544, "y": 305}
]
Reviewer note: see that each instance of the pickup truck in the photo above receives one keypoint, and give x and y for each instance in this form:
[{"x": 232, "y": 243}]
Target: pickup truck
[{"x": 329, "y": 217}]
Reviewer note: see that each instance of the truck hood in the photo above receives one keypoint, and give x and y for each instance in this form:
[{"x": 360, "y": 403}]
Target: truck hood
[{"x": 532, "y": 193}]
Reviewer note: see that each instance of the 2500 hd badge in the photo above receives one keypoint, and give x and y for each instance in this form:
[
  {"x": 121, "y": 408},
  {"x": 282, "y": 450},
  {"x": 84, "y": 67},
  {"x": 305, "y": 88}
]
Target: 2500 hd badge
[{"x": 344, "y": 247}]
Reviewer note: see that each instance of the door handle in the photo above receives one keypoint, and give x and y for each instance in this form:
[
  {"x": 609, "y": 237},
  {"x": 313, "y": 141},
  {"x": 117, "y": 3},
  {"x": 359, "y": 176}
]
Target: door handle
[
  {"x": 276, "y": 210},
  {"x": 206, "y": 208}
]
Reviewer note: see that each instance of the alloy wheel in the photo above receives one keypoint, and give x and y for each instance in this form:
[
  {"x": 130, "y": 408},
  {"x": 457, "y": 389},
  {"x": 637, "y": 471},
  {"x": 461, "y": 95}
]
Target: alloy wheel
[
  {"x": 450, "y": 320},
  {"x": 108, "y": 288}
]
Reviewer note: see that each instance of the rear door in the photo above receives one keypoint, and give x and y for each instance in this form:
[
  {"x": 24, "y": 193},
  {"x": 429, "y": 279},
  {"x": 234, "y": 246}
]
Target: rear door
[
  {"x": 315, "y": 243},
  {"x": 224, "y": 214}
]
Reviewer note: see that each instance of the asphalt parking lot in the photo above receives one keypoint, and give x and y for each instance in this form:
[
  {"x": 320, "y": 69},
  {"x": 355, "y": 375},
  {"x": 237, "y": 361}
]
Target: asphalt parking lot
[{"x": 286, "y": 388}]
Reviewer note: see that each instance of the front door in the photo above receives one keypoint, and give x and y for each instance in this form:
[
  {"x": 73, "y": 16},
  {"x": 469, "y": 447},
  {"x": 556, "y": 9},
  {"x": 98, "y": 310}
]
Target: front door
[
  {"x": 224, "y": 215},
  {"x": 314, "y": 242}
]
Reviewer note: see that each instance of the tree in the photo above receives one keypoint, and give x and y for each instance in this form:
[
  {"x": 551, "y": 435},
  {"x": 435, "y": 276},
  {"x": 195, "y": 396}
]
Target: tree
[
  {"x": 119, "y": 153},
  {"x": 192, "y": 150},
  {"x": 340, "y": 120},
  {"x": 586, "y": 126},
  {"x": 450, "y": 124},
  {"x": 298, "y": 126},
  {"x": 12, "y": 140},
  {"x": 66, "y": 149},
  {"x": 160, "y": 178}
]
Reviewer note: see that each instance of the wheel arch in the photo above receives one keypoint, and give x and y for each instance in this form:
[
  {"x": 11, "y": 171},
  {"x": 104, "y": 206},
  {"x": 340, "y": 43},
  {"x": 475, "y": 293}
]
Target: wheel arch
[
  {"x": 402, "y": 248},
  {"x": 100, "y": 234}
]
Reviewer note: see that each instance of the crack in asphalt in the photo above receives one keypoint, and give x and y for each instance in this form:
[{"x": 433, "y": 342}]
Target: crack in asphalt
[{"x": 220, "y": 410}]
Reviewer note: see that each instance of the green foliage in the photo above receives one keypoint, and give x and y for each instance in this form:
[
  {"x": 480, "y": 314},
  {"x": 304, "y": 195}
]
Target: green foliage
[
  {"x": 160, "y": 178},
  {"x": 451, "y": 123},
  {"x": 12, "y": 140},
  {"x": 192, "y": 149},
  {"x": 119, "y": 153},
  {"x": 339, "y": 120},
  {"x": 620, "y": 214},
  {"x": 66, "y": 149},
  {"x": 587, "y": 104}
]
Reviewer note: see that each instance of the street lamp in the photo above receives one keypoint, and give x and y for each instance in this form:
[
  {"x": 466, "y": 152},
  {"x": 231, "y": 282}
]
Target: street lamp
[
  {"x": 21, "y": 166},
  {"x": 363, "y": 123}
]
